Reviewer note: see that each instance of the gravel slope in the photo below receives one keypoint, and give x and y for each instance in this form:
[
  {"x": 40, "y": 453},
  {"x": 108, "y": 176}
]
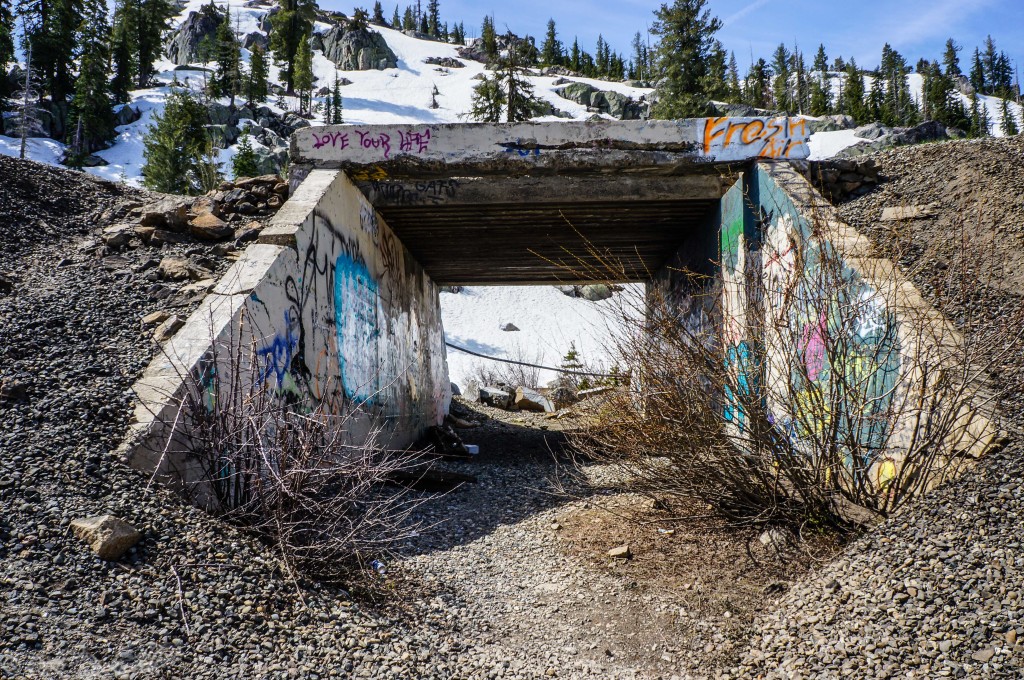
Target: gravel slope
[{"x": 937, "y": 591}]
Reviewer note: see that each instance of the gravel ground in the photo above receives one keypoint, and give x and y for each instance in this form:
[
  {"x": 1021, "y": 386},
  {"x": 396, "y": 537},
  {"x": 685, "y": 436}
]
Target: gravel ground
[
  {"x": 936, "y": 591},
  {"x": 486, "y": 592}
]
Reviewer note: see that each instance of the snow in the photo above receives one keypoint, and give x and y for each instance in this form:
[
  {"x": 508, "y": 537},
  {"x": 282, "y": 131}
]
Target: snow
[
  {"x": 828, "y": 144},
  {"x": 548, "y": 321}
]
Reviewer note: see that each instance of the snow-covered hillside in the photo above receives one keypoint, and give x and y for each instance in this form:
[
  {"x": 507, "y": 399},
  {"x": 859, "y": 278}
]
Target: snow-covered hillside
[{"x": 549, "y": 321}]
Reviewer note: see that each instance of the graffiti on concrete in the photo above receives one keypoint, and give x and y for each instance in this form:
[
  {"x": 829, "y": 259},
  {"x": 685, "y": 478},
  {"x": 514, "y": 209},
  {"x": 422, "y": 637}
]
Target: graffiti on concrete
[
  {"x": 781, "y": 137},
  {"x": 356, "y": 309}
]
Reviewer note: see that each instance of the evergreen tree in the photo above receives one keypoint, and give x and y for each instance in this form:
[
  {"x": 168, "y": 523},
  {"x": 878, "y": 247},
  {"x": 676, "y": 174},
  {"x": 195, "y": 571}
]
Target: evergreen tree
[
  {"x": 574, "y": 56},
  {"x": 780, "y": 86},
  {"x": 291, "y": 28},
  {"x": 6, "y": 51},
  {"x": 853, "y": 94},
  {"x": 489, "y": 101},
  {"x": 175, "y": 146},
  {"x": 408, "y": 20},
  {"x": 686, "y": 33},
  {"x": 154, "y": 20},
  {"x": 639, "y": 58},
  {"x": 821, "y": 86},
  {"x": 489, "y": 38},
  {"x": 257, "y": 86},
  {"x": 509, "y": 90},
  {"x": 244, "y": 163},
  {"x": 336, "y": 104},
  {"x": 304, "y": 79},
  {"x": 378, "y": 14},
  {"x": 433, "y": 18},
  {"x": 91, "y": 106},
  {"x": 122, "y": 52},
  {"x": 801, "y": 94},
  {"x": 820, "y": 59},
  {"x": 977, "y": 76},
  {"x": 735, "y": 92},
  {"x": 551, "y": 48},
  {"x": 27, "y": 121},
  {"x": 1007, "y": 121},
  {"x": 50, "y": 26},
  {"x": 898, "y": 107},
  {"x": 396, "y": 20},
  {"x": 715, "y": 85},
  {"x": 226, "y": 81},
  {"x": 423, "y": 28},
  {"x": 951, "y": 58},
  {"x": 758, "y": 89},
  {"x": 875, "y": 101}
]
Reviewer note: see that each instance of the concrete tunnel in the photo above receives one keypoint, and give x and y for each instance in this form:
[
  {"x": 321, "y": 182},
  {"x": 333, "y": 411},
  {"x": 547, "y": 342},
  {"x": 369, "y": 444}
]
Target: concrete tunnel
[{"x": 340, "y": 296}]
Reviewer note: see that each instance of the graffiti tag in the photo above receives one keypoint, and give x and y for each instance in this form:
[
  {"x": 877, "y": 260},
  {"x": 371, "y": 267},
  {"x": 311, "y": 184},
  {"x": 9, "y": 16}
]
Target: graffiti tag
[{"x": 771, "y": 138}]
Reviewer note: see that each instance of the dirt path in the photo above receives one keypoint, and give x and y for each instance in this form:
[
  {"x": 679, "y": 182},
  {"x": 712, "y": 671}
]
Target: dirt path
[{"x": 523, "y": 555}]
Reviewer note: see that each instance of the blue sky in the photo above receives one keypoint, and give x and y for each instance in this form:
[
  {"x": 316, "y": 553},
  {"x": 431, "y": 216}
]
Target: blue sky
[{"x": 858, "y": 28}]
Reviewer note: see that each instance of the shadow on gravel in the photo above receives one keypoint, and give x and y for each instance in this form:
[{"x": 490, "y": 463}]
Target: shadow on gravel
[{"x": 516, "y": 472}]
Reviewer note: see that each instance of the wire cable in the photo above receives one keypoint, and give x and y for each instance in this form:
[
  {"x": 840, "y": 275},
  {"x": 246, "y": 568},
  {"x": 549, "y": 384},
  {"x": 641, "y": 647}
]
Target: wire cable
[{"x": 529, "y": 365}]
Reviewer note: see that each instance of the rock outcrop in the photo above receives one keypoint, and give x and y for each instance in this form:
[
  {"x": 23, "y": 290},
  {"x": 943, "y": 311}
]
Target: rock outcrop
[
  {"x": 610, "y": 102},
  {"x": 182, "y": 44},
  {"x": 357, "y": 49}
]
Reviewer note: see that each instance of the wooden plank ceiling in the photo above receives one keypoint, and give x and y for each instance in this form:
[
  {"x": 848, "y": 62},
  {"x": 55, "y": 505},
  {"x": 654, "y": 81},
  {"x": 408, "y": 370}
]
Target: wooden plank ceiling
[{"x": 560, "y": 242}]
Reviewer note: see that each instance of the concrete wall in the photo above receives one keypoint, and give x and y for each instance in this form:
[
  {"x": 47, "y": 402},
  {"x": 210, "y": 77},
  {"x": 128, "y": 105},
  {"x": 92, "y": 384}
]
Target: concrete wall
[
  {"x": 335, "y": 310},
  {"x": 891, "y": 343}
]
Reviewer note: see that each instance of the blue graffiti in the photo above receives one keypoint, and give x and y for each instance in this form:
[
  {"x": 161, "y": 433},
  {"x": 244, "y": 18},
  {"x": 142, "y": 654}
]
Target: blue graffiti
[
  {"x": 523, "y": 150},
  {"x": 740, "y": 360},
  {"x": 276, "y": 357},
  {"x": 355, "y": 309}
]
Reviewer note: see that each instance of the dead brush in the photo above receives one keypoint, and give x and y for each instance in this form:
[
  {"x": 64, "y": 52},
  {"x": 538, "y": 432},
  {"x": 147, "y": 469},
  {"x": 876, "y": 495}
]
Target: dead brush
[
  {"x": 303, "y": 477},
  {"x": 807, "y": 395}
]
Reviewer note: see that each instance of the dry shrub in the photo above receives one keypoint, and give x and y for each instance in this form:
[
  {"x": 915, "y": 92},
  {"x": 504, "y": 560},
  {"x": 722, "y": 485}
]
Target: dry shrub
[
  {"x": 792, "y": 391},
  {"x": 297, "y": 474}
]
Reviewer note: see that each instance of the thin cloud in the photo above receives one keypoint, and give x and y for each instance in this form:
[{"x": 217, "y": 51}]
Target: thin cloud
[{"x": 752, "y": 7}]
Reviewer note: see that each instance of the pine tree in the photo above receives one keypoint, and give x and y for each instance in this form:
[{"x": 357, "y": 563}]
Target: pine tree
[
  {"x": 257, "y": 86},
  {"x": 423, "y": 27},
  {"x": 853, "y": 95},
  {"x": 757, "y": 88},
  {"x": 686, "y": 33},
  {"x": 91, "y": 106},
  {"x": 226, "y": 81},
  {"x": 821, "y": 87},
  {"x": 1007, "y": 121},
  {"x": 820, "y": 59},
  {"x": 50, "y": 27},
  {"x": 336, "y": 104},
  {"x": 408, "y": 20},
  {"x": 378, "y": 14},
  {"x": 291, "y": 28},
  {"x": 802, "y": 95},
  {"x": 489, "y": 38},
  {"x": 27, "y": 122},
  {"x": 396, "y": 20},
  {"x": 733, "y": 81},
  {"x": 714, "y": 84},
  {"x": 245, "y": 163},
  {"x": 574, "y": 56},
  {"x": 303, "y": 77},
  {"x": 551, "y": 48},
  {"x": 433, "y": 18},
  {"x": 780, "y": 87},
  {"x": 175, "y": 146},
  {"x": 122, "y": 52},
  {"x": 977, "y": 76},
  {"x": 6, "y": 51},
  {"x": 509, "y": 91},
  {"x": 489, "y": 101},
  {"x": 951, "y": 58},
  {"x": 639, "y": 58},
  {"x": 875, "y": 101},
  {"x": 153, "y": 18}
]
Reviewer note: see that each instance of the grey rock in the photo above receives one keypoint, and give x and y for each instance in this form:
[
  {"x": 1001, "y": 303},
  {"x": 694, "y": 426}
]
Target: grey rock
[
  {"x": 531, "y": 400},
  {"x": 356, "y": 49},
  {"x": 509, "y": 327},
  {"x": 447, "y": 62},
  {"x": 497, "y": 397},
  {"x": 182, "y": 44},
  {"x": 127, "y": 115},
  {"x": 872, "y": 131},
  {"x": 255, "y": 39}
]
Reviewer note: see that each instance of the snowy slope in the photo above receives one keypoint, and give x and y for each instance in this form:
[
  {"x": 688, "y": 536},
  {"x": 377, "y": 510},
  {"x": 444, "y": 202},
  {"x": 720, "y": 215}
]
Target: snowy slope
[{"x": 548, "y": 321}]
